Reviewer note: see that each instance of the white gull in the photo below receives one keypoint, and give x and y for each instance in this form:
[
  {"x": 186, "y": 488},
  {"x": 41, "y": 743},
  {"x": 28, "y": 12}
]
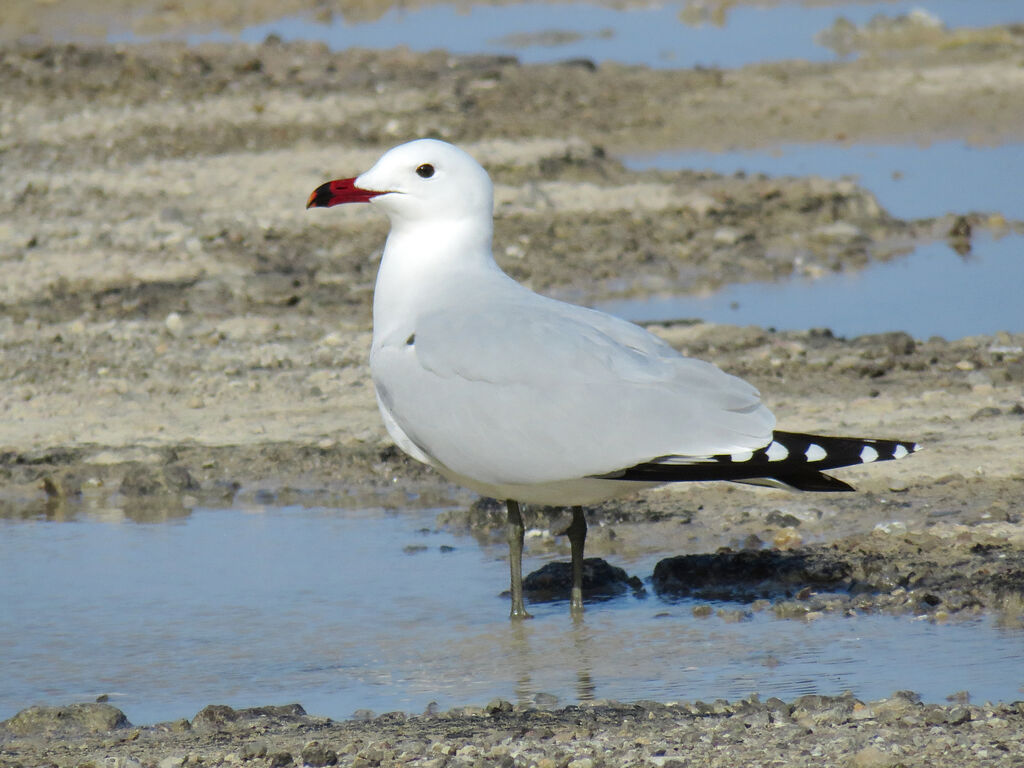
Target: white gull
[{"x": 531, "y": 400}]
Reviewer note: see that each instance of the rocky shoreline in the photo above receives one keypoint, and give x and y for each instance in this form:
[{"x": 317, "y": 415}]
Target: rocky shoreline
[{"x": 809, "y": 731}]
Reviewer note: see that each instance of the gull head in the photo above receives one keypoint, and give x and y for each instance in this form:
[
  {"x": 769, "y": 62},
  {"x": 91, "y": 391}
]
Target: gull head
[{"x": 423, "y": 180}]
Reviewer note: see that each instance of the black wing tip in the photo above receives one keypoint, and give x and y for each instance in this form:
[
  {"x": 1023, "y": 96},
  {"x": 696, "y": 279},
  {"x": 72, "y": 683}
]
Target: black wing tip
[{"x": 792, "y": 459}]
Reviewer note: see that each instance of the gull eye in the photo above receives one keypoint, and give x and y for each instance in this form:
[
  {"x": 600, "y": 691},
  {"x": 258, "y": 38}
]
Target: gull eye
[{"x": 425, "y": 171}]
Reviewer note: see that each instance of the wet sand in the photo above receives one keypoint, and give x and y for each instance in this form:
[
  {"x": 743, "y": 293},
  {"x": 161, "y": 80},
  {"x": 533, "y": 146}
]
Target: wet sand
[{"x": 177, "y": 329}]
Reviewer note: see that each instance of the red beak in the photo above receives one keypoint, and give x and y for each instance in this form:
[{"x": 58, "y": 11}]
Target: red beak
[{"x": 337, "y": 192}]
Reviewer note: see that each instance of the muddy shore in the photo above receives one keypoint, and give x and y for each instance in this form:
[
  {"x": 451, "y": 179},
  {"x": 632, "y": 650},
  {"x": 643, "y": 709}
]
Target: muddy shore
[{"x": 177, "y": 330}]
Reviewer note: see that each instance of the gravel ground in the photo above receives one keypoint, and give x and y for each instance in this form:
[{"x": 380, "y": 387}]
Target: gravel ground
[{"x": 176, "y": 329}]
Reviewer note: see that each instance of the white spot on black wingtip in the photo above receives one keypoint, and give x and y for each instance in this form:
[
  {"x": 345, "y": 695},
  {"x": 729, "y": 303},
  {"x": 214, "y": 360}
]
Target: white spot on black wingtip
[
  {"x": 743, "y": 456},
  {"x": 777, "y": 452},
  {"x": 868, "y": 454},
  {"x": 815, "y": 452},
  {"x": 900, "y": 451}
]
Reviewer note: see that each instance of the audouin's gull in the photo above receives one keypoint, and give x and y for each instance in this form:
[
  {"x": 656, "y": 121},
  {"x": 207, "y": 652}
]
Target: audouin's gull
[{"x": 531, "y": 400}]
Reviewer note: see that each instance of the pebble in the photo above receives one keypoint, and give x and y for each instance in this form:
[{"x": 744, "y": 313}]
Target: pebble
[
  {"x": 892, "y": 527},
  {"x": 726, "y": 236},
  {"x": 788, "y": 538},
  {"x": 700, "y": 203},
  {"x": 839, "y": 232},
  {"x": 174, "y": 324},
  {"x": 317, "y": 755},
  {"x": 333, "y": 339},
  {"x": 871, "y": 757}
]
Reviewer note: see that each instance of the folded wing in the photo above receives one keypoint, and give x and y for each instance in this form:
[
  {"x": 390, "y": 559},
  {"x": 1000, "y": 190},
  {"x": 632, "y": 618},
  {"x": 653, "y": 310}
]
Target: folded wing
[{"x": 531, "y": 390}]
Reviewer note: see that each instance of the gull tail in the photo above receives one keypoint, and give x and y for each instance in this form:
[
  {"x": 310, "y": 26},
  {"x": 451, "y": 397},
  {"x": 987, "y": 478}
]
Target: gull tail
[{"x": 792, "y": 460}]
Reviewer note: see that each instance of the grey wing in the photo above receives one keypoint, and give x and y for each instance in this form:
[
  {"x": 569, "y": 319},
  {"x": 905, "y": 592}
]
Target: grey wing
[{"x": 544, "y": 391}]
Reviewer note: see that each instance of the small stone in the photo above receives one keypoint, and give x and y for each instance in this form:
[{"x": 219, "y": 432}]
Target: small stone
[
  {"x": 782, "y": 519},
  {"x": 498, "y": 706},
  {"x": 965, "y": 365},
  {"x": 317, "y": 755},
  {"x": 333, "y": 339},
  {"x": 82, "y": 718},
  {"x": 961, "y": 228},
  {"x": 376, "y": 752},
  {"x": 174, "y": 324},
  {"x": 173, "y": 761},
  {"x": 787, "y": 538},
  {"x": 839, "y": 232},
  {"x": 726, "y": 236},
  {"x": 699, "y": 203},
  {"x": 280, "y": 760},
  {"x": 893, "y": 527},
  {"x": 871, "y": 757},
  {"x": 213, "y": 716}
]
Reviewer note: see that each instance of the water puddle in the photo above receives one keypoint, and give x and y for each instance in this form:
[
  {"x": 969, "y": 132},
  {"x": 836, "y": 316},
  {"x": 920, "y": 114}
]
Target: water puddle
[
  {"x": 674, "y": 34},
  {"x": 932, "y": 292},
  {"x": 344, "y": 609},
  {"x": 909, "y": 181}
]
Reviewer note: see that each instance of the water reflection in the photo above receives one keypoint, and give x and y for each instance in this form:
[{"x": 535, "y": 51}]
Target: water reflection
[{"x": 523, "y": 644}]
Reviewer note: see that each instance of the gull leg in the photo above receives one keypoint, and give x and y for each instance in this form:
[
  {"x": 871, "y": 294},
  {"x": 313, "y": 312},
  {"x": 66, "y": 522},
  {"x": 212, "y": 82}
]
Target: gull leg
[
  {"x": 515, "y": 558},
  {"x": 577, "y": 533}
]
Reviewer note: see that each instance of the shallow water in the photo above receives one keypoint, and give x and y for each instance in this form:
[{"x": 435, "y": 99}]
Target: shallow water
[
  {"x": 327, "y": 607},
  {"x": 909, "y": 181},
  {"x": 932, "y": 292},
  {"x": 674, "y": 34}
]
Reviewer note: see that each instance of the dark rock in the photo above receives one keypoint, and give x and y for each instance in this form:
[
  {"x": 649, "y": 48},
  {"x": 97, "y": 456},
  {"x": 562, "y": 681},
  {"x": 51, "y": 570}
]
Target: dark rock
[
  {"x": 280, "y": 760},
  {"x": 74, "y": 718},
  {"x": 728, "y": 574},
  {"x": 782, "y": 519},
  {"x": 961, "y": 228},
  {"x": 146, "y": 480},
  {"x": 214, "y": 716},
  {"x": 600, "y": 579},
  {"x": 281, "y": 713},
  {"x": 894, "y": 342},
  {"x": 318, "y": 755},
  {"x": 220, "y": 716},
  {"x": 824, "y": 709},
  {"x": 498, "y": 707}
]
